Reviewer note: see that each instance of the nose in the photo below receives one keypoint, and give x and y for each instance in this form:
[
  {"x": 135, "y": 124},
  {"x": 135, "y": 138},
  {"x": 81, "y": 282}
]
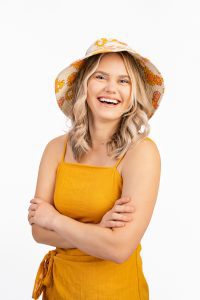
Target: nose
[{"x": 110, "y": 87}]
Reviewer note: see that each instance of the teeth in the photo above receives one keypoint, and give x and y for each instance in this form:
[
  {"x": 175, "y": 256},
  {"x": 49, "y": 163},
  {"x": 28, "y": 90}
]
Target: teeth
[{"x": 109, "y": 100}]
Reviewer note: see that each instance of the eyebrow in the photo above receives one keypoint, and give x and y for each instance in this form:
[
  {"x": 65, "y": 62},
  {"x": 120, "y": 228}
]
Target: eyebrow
[{"x": 104, "y": 73}]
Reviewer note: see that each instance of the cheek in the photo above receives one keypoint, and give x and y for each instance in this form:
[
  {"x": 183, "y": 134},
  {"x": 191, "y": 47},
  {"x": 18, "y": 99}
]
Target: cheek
[
  {"x": 92, "y": 90},
  {"x": 90, "y": 95},
  {"x": 129, "y": 91},
  {"x": 127, "y": 94}
]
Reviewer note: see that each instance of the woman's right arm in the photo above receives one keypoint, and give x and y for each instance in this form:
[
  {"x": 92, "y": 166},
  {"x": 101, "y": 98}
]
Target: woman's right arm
[
  {"x": 48, "y": 237},
  {"x": 45, "y": 190}
]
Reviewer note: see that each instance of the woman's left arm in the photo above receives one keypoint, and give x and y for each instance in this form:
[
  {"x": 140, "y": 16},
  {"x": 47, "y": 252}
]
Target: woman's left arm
[{"x": 141, "y": 180}]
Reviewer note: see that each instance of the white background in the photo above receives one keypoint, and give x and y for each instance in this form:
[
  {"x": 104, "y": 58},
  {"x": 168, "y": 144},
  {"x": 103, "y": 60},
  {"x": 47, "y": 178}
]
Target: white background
[{"x": 38, "y": 39}]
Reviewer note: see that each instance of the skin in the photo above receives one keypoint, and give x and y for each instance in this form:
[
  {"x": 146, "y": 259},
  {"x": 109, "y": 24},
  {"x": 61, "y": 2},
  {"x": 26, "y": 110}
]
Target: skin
[{"x": 140, "y": 172}]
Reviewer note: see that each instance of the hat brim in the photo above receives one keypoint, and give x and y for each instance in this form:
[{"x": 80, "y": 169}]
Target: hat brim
[{"x": 65, "y": 79}]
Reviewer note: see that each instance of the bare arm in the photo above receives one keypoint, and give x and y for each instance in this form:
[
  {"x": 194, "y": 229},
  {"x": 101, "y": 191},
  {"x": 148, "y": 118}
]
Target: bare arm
[
  {"x": 48, "y": 237},
  {"x": 141, "y": 178},
  {"x": 45, "y": 190},
  {"x": 90, "y": 238}
]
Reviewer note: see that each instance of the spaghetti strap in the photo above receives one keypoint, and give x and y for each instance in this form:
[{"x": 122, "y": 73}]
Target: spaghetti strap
[
  {"x": 119, "y": 160},
  {"x": 65, "y": 149}
]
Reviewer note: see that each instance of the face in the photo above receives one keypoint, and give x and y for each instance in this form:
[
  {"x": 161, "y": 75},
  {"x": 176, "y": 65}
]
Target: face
[{"x": 109, "y": 88}]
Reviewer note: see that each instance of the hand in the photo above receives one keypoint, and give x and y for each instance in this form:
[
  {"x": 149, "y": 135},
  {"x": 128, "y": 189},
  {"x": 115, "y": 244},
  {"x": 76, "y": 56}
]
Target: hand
[
  {"x": 42, "y": 213},
  {"x": 121, "y": 213}
]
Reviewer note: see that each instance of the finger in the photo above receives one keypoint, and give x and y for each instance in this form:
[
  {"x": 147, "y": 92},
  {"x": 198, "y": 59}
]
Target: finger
[
  {"x": 36, "y": 200},
  {"x": 115, "y": 224},
  {"x": 122, "y": 217},
  {"x": 33, "y": 207},
  {"x": 118, "y": 208},
  {"x": 129, "y": 208},
  {"x": 119, "y": 224},
  {"x": 123, "y": 200},
  {"x": 123, "y": 208},
  {"x": 31, "y": 214},
  {"x": 31, "y": 221}
]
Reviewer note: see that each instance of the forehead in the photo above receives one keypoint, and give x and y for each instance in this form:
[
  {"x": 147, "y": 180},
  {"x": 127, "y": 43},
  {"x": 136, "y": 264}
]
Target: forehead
[{"x": 112, "y": 61}]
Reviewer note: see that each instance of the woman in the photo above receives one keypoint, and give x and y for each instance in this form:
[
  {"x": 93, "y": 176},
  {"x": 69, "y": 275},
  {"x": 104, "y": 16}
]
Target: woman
[{"x": 97, "y": 185}]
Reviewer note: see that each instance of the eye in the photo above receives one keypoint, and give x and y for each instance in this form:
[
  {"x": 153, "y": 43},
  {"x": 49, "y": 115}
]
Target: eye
[
  {"x": 99, "y": 77},
  {"x": 124, "y": 81}
]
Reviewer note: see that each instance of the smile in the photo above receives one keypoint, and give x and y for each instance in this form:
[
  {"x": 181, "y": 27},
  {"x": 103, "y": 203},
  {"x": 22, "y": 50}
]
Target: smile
[{"x": 108, "y": 101}]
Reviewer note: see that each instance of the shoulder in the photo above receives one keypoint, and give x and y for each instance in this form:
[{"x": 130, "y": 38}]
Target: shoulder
[
  {"x": 55, "y": 147},
  {"x": 143, "y": 152},
  {"x": 47, "y": 168}
]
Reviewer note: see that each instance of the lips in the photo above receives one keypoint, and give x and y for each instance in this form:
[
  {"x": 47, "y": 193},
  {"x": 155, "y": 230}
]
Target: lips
[
  {"x": 106, "y": 102},
  {"x": 107, "y": 97}
]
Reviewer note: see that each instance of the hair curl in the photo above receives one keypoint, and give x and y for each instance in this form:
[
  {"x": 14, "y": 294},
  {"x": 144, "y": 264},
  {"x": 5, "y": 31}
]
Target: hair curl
[{"x": 133, "y": 125}]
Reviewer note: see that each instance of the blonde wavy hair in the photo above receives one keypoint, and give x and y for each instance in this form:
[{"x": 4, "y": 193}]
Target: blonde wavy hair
[{"x": 129, "y": 131}]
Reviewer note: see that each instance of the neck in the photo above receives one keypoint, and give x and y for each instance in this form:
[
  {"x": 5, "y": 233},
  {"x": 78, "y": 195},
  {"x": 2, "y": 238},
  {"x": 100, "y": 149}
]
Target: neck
[{"x": 101, "y": 132}]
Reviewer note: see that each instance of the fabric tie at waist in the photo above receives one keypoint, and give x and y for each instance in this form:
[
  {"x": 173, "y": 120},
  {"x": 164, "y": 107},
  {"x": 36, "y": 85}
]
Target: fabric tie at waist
[{"x": 44, "y": 274}]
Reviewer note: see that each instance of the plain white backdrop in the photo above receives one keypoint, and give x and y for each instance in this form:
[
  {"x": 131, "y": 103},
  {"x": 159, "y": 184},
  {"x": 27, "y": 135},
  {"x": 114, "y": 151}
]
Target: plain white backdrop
[{"x": 38, "y": 39}]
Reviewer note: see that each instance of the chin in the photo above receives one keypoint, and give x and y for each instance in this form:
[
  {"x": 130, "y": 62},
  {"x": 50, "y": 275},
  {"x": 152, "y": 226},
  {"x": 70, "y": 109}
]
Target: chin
[{"x": 108, "y": 117}]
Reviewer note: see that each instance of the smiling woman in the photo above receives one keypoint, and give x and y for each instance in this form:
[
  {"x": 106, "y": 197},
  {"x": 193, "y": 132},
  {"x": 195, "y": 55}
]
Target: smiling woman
[{"x": 97, "y": 185}]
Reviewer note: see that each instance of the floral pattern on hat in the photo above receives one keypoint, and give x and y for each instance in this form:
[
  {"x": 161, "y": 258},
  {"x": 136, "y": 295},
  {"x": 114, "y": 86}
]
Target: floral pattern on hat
[
  {"x": 152, "y": 78},
  {"x": 71, "y": 78},
  {"x": 61, "y": 101},
  {"x": 69, "y": 94},
  {"x": 58, "y": 85},
  {"x": 155, "y": 99},
  {"x": 101, "y": 42},
  {"x": 77, "y": 64}
]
